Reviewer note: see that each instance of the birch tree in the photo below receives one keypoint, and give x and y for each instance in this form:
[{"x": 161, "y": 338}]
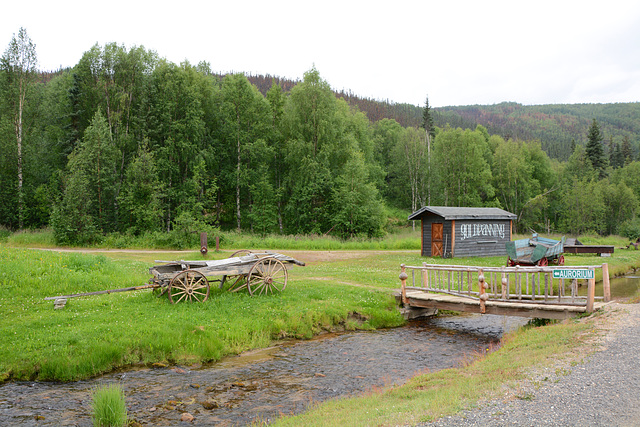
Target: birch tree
[{"x": 19, "y": 62}]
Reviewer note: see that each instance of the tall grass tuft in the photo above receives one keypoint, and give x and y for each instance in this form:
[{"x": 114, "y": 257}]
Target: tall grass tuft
[{"x": 109, "y": 407}]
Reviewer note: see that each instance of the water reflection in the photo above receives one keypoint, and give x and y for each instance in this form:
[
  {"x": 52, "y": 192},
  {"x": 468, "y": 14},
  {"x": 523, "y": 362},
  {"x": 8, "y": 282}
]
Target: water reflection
[{"x": 621, "y": 287}]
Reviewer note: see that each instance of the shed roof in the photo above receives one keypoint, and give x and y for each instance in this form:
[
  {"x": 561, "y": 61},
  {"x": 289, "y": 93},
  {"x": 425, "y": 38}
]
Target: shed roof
[{"x": 449, "y": 213}]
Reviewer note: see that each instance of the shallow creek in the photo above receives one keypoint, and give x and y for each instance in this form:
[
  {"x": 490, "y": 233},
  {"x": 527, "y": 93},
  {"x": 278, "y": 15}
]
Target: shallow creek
[{"x": 265, "y": 384}]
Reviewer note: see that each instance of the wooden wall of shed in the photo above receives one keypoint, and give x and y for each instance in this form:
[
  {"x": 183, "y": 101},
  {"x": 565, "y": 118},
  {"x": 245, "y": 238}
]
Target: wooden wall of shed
[
  {"x": 482, "y": 237},
  {"x": 464, "y": 238},
  {"x": 427, "y": 220}
]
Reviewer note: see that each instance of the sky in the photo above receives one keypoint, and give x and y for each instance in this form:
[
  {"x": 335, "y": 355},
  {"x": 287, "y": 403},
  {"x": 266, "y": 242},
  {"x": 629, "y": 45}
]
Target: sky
[{"x": 453, "y": 52}]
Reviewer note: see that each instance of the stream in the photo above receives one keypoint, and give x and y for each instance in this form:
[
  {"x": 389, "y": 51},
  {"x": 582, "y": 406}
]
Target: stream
[{"x": 265, "y": 384}]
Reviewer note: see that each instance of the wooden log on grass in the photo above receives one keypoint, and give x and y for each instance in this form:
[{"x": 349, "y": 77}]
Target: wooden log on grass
[{"x": 110, "y": 291}]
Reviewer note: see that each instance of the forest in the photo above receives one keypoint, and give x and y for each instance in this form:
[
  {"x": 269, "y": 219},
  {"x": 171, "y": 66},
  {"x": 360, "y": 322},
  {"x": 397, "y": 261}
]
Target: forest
[{"x": 128, "y": 142}]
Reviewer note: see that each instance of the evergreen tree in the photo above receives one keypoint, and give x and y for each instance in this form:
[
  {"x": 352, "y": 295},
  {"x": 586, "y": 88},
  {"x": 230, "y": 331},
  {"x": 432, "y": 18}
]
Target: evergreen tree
[
  {"x": 87, "y": 207},
  {"x": 627, "y": 152},
  {"x": 427, "y": 120},
  {"x": 595, "y": 149},
  {"x": 430, "y": 134},
  {"x": 140, "y": 199}
]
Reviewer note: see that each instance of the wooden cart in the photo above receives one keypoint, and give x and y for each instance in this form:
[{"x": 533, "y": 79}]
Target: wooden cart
[
  {"x": 535, "y": 251},
  {"x": 260, "y": 273}
]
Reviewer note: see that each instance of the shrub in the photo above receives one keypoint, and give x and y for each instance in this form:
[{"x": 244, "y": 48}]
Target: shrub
[{"x": 631, "y": 229}]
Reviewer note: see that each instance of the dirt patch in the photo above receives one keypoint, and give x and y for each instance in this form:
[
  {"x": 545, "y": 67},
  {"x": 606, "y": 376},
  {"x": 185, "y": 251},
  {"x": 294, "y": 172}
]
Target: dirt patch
[{"x": 306, "y": 256}]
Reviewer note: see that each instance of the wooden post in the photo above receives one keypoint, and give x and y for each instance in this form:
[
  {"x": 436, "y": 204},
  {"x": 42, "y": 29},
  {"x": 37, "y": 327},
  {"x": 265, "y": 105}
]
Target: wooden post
[
  {"x": 425, "y": 276},
  {"x": 591, "y": 294},
  {"x": 606, "y": 286},
  {"x": 504, "y": 282},
  {"x": 482, "y": 294},
  {"x": 204, "y": 248},
  {"x": 217, "y": 243},
  {"x": 453, "y": 238},
  {"x": 403, "y": 281},
  {"x": 546, "y": 287}
]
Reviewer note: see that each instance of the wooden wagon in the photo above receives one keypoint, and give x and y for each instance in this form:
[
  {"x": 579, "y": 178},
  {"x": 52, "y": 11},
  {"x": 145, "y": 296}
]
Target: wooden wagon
[
  {"x": 535, "y": 251},
  {"x": 260, "y": 273}
]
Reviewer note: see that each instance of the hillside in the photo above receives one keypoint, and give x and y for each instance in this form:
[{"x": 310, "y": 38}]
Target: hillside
[{"x": 554, "y": 125}]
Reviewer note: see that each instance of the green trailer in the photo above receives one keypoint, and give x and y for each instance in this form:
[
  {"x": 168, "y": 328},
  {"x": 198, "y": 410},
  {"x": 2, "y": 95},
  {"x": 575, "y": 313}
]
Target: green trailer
[{"x": 535, "y": 251}]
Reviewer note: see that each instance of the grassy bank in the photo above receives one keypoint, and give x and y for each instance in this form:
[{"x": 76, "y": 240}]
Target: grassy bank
[{"x": 96, "y": 334}]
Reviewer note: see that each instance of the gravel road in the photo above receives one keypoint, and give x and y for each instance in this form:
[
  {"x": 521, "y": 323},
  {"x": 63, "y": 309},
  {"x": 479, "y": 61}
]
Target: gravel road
[{"x": 602, "y": 389}]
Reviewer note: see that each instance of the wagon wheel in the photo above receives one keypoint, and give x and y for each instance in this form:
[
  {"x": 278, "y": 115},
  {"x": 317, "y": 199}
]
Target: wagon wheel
[
  {"x": 267, "y": 276},
  {"x": 239, "y": 284},
  {"x": 188, "y": 285},
  {"x": 543, "y": 262},
  {"x": 561, "y": 260},
  {"x": 241, "y": 252}
]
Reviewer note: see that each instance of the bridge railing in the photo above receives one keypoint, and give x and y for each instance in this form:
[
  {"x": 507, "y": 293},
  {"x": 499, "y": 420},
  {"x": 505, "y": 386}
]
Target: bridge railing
[{"x": 534, "y": 285}]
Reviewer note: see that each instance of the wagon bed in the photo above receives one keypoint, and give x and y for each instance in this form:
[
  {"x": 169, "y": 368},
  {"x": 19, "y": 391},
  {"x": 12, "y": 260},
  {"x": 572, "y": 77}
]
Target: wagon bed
[{"x": 535, "y": 251}]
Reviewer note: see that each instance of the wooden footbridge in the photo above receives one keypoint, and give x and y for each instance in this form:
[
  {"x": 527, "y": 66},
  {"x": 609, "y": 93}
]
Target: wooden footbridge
[{"x": 550, "y": 292}]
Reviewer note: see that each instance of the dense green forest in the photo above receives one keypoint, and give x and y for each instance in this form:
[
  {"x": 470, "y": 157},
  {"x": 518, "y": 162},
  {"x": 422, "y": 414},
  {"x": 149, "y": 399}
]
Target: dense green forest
[
  {"x": 557, "y": 127},
  {"x": 127, "y": 142}
]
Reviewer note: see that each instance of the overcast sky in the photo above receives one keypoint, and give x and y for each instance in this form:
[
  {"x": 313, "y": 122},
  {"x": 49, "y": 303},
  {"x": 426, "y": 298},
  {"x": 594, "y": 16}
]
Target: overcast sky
[{"x": 454, "y": 52}]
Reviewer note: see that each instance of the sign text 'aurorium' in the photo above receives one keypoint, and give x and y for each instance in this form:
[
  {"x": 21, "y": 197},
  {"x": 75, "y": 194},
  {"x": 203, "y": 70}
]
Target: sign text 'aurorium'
[{"x": 573, "y": 273}]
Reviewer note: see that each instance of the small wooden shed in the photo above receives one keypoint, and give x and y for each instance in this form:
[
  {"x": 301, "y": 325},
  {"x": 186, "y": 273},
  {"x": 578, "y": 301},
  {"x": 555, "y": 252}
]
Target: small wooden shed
[{"x": 462, "y": 232}]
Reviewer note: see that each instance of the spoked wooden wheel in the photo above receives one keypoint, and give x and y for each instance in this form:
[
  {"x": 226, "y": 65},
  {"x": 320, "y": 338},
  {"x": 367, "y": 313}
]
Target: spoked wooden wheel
[
  {"x": 267, "y": 276},
  {"x": 189, "y": 286},
  {"x": 241, "y": 252},
  {"x": 239, "y": 283},
  {"x": 543, "y": 262}
]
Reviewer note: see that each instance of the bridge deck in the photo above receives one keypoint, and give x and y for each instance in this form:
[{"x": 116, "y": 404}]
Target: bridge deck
[{"x": 507, "y": 308}]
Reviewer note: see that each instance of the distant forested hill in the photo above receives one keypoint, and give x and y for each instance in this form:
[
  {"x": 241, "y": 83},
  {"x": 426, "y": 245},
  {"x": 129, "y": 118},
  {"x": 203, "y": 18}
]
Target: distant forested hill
[{"x": 556, "y": 126}]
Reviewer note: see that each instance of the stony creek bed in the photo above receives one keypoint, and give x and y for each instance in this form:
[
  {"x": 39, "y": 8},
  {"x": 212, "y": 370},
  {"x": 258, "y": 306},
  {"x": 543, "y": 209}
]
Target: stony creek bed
[{"x": 265, "y": 384}]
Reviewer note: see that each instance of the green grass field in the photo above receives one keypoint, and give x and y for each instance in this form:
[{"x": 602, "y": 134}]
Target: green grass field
[{"x": 97, "y": 334}]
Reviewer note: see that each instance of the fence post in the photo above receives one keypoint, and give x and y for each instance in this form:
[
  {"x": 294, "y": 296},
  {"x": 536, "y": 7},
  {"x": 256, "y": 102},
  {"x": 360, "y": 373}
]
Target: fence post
[
  {"x": 482, "y": 294},
  {"x": 606, "y": 286},
  {"x": 403, "y": 281},
  {"x": 204, "y": 247},
  {"x": 425, "y": 276},
  {"x": 591, "y": 294}
]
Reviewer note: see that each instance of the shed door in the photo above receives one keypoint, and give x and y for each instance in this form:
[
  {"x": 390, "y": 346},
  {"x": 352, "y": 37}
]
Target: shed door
[{"x": 436, "y": 239}]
